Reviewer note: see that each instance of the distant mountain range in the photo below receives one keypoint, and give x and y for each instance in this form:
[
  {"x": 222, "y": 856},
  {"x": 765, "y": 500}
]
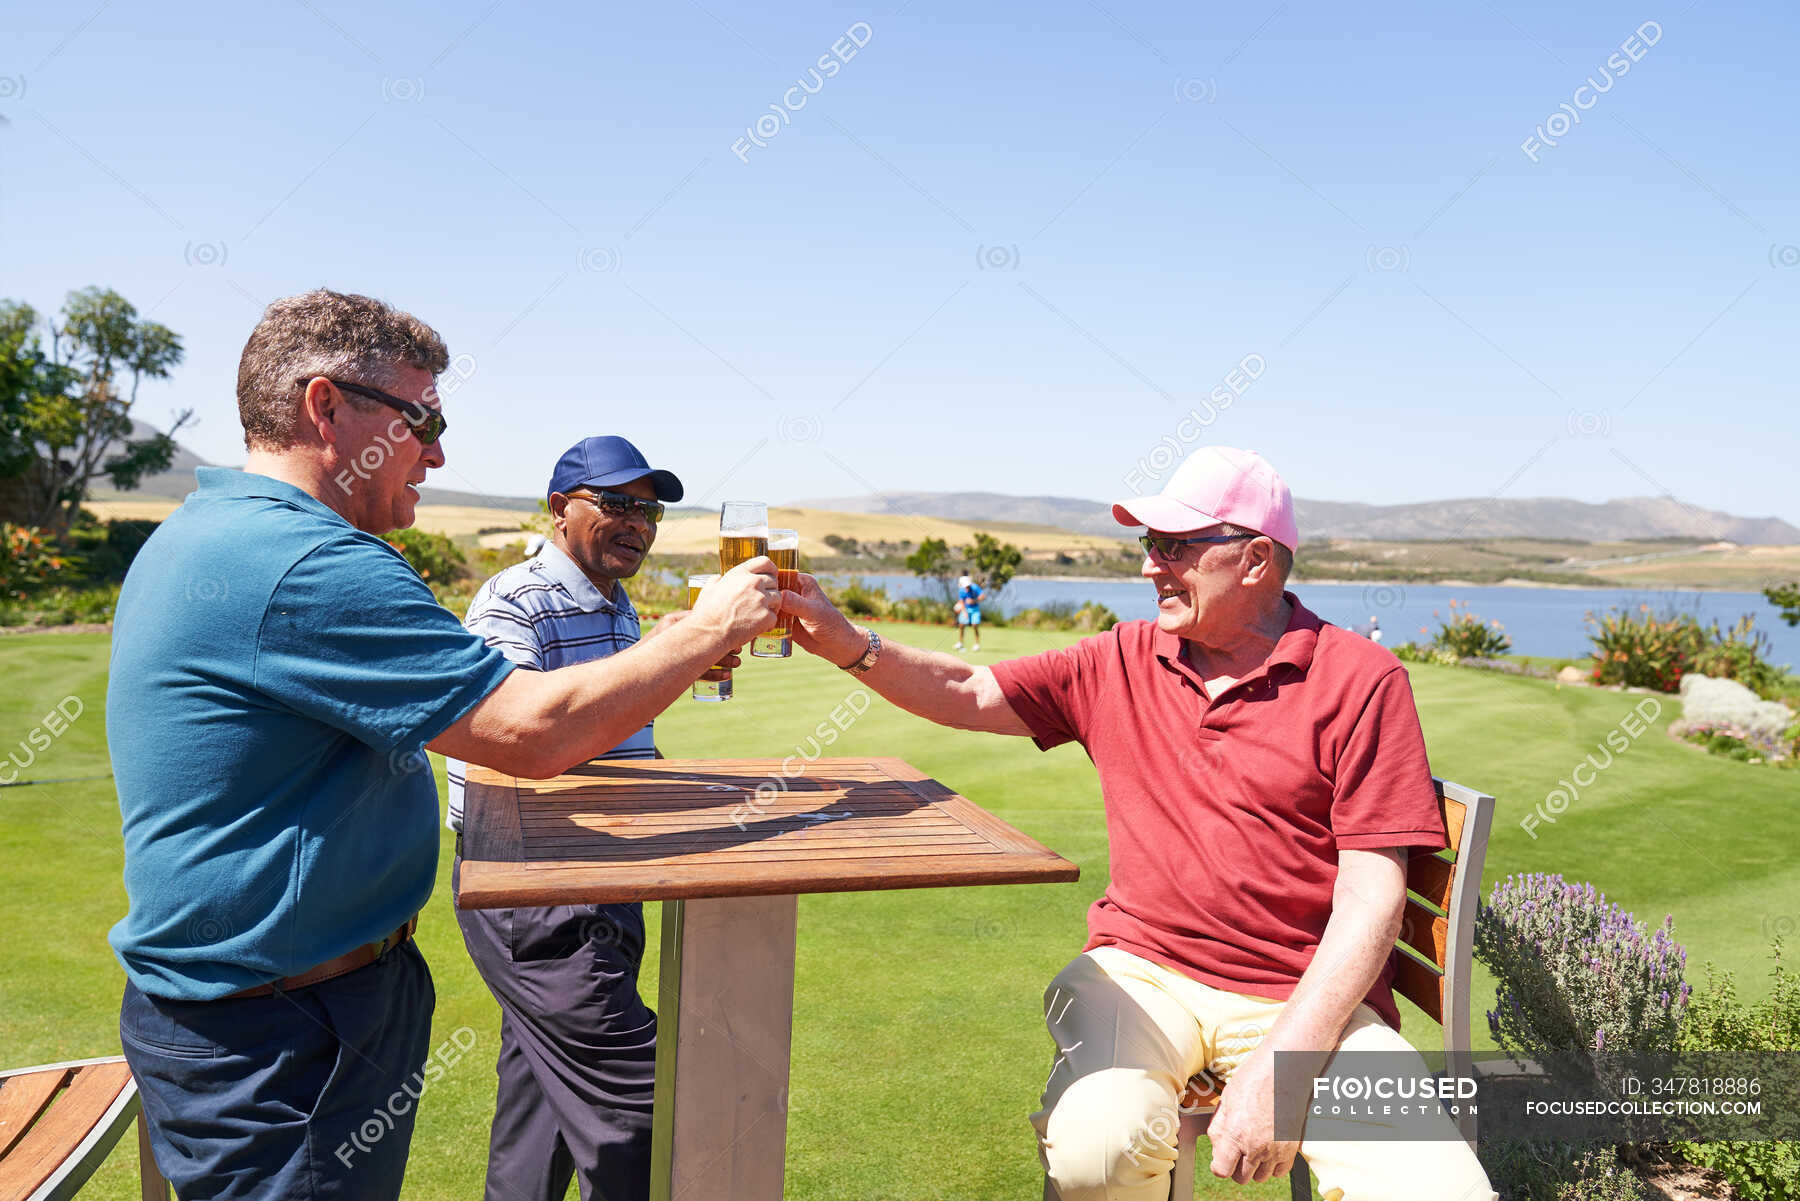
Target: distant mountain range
[
  {"x": 1635, "y": 517},
  {"x": 1540, "y": 517}
]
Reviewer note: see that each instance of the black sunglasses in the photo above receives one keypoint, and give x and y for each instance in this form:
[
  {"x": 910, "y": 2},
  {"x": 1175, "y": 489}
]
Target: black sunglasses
[
  {"x": 426, "y": 424},
  {"x": 617, "y": 504},
  {"x": 1167, "y": 547}
]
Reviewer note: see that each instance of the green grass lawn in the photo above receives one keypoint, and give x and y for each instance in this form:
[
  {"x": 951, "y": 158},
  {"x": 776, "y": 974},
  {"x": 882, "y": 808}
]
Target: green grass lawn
[{"x": 918, "y": 1043}]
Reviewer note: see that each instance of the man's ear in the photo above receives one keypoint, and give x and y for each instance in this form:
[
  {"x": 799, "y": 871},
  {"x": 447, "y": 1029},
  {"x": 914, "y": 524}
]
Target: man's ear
[
  {"x": 321, "y": 403},
  {"x": 1266, "y": 566},
  {"x": 559, "y": 510}
]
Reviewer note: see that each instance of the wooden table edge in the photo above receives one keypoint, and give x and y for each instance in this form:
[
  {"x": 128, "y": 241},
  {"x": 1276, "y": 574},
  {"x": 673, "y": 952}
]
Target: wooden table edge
[{"x": 490, "y": 885}]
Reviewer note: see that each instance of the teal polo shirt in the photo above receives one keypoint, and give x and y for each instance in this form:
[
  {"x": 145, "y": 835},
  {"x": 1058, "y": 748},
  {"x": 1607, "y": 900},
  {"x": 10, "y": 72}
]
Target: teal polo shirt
[{"x": 275, "y": 675}]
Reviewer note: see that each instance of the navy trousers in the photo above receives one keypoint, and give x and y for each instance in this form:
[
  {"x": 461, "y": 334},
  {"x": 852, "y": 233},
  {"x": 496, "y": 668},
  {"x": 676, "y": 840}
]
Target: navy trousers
[
  {"x": 306, "y": 1095},
  {"x": 577, "y": 1060}
]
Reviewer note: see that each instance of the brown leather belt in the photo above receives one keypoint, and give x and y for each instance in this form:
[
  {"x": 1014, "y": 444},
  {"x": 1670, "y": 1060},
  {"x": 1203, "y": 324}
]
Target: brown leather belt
[{"x": 348, "y": 962}]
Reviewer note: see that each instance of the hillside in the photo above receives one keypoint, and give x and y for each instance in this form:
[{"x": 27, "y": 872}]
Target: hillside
[
  {"x": 1537, "y": 518},
  {"x": 1486, "y": 517}
]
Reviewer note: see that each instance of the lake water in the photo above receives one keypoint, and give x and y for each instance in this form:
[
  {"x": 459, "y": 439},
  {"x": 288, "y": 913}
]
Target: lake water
[{"x": 1540, "y": 621}]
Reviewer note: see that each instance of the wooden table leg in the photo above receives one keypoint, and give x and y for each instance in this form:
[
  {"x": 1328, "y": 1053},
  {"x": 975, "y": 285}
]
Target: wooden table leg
[{"x": 725, "y": 1018}]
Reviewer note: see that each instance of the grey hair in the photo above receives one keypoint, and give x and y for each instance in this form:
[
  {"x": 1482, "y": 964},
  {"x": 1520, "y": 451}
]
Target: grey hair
[{"x": 339, "y": 335}]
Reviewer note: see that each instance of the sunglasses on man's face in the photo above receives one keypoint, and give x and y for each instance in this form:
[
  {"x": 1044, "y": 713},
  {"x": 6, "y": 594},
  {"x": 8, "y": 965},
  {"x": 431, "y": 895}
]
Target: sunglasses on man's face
[
  {"x": 617, "y": 504},
  {"x": 426, "y": 424},
  {"x": 1168, "y": 547}
]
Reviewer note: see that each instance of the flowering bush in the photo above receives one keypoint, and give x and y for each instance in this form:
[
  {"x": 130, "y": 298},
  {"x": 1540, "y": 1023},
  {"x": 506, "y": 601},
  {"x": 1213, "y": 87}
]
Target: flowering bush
[
  {"x": 1643, "y": 651},
  {"x": 28, "y": 562},
  {"x": 1734, "y": 741},
  {"x": 1466, "y": 636},
  {"x": 1413, "y": 652},
  {"x": 1741, "y": 654},
  {"x": 1577, "y": 974}
]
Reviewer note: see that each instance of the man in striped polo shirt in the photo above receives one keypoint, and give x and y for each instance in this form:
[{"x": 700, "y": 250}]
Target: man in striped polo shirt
[{"x": 577, "y": 1045}]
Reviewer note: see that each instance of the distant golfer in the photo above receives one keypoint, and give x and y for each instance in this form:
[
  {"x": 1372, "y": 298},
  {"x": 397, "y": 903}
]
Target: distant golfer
[
  {"x": 968, "y": 612},
  {"x": 1374, "y": 629}
]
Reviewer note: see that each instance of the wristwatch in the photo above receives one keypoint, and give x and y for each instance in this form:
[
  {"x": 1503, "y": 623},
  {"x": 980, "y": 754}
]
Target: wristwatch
[{"x": 867, "y": 660}]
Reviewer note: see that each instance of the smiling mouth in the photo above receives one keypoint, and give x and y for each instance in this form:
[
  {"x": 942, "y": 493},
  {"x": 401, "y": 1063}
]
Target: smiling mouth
[{"x": 628, "y": 544}]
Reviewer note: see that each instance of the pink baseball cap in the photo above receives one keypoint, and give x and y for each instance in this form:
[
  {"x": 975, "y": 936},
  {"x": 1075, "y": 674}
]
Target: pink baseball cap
[{"x": 1218, "y": 485}]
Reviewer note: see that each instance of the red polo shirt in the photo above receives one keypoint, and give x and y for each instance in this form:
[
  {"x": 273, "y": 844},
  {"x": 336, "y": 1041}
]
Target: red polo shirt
[{"x": 1225, "y": 816}]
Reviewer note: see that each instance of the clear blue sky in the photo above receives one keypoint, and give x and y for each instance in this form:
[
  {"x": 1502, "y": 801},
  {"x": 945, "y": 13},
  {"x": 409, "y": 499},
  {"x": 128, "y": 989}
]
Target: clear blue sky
[{"x": 1003, "y": 247}]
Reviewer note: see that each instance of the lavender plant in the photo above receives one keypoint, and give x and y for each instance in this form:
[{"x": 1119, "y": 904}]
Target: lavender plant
[
  {"x": 1577, "y": 975},
  {"x": 1578, "y": 979}
]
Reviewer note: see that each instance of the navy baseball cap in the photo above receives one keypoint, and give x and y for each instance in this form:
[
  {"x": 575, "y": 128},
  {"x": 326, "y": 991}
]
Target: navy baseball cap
[{"x": 603, "y": 462}]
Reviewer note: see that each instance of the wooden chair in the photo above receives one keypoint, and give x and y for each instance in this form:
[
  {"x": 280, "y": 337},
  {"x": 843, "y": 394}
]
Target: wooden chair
[
  {"x": 59, "y": 1122},
  {"x": 1434, "y": 956}
]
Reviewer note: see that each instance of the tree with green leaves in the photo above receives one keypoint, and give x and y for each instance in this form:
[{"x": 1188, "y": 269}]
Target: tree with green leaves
[
  {"x": 932, "y": 562},
  {"x": 26, "y": 376},
  {"x": 1786, "y": 597},
  {"x": 993, "y": 561},
  {"x": 65, "y": 410}
]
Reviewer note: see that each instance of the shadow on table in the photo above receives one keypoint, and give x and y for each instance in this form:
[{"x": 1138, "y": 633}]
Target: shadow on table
[{"x": 744, "y": 815}]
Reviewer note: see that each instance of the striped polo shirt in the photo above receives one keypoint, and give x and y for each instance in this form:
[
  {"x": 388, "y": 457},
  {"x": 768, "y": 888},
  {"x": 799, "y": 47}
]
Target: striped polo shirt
[{"x": 543, "y": 614}]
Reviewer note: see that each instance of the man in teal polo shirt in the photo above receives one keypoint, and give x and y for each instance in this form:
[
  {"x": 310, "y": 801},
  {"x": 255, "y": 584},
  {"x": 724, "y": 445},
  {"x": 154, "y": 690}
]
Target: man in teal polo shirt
[{"x": 277, "y": 671}]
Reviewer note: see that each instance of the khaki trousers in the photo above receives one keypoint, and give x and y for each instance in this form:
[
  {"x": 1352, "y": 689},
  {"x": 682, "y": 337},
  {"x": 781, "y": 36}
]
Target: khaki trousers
[{"x": 1129, "y": 1033}]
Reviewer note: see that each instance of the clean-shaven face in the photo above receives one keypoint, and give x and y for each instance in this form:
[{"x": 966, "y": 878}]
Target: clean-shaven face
[
  {"x": 385, "y": 462},
  {"x": 1196, "y": 591}
]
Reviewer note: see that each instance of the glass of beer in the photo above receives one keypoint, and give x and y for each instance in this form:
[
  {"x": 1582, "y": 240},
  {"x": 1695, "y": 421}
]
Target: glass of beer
[
  {"x": 743, "y": 532},
  {"x": 715, "y": 685},
  {"x": 784, "y": 548}
]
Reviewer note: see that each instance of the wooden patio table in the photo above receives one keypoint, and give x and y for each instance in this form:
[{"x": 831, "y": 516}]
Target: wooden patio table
[{"x": 727, "y": 845}]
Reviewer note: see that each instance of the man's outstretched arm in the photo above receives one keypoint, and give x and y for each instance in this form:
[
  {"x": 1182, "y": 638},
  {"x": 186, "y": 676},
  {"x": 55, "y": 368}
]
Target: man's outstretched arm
[
  {"x": 540, "y": 723},
  {"x": 937, "y": 687}
]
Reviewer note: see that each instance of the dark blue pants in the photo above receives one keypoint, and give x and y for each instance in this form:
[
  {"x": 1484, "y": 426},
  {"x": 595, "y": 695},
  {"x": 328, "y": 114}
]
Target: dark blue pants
[
  {"x": 306, "y": 1095},
  {"x": 577, "y": 1061}
]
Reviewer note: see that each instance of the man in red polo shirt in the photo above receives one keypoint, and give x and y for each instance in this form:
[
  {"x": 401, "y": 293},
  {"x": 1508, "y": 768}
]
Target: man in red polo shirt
[{"x": 1264, "y": 777}]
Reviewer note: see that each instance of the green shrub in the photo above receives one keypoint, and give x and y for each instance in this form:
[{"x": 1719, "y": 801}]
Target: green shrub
[
  {"x": 62, "y": 606},
  {"x": 1641, "y": 651},
  {"x": 456, "y": 597},
  {"x": 1785, "y": 597},
  {"x": 1092, "y": 617},
  {"x": 1719, "y": 1021},
  {"x": 1537, "y": 1169},
  {"x": 1468, "y": 637},
  {"x": 1733, "y": 742},
  {"x": 434, "y": 556},
  {"x": 857, "y": 600},
  {"x": 1413, "y": 652},
  {"x": 1741, "y": 654},
  {"x": 1601, "y": 1177},
  {"x": 100, "y": 552},
  {"x": 922, "y": 609},
  {"x": 490, "y": 561}
]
